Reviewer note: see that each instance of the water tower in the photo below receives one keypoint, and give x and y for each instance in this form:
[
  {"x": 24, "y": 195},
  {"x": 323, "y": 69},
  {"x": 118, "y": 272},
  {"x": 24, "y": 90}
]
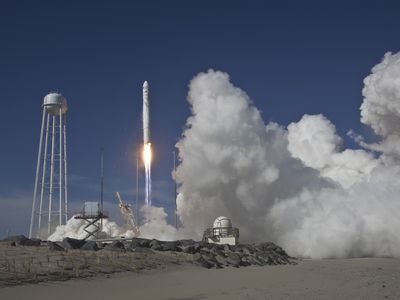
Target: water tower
[{"x": 50, "y": 195}]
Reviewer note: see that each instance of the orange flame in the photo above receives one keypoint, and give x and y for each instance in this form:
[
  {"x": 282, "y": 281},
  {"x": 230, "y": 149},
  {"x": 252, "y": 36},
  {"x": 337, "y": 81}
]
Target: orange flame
[{"x": 147, "y": 155}]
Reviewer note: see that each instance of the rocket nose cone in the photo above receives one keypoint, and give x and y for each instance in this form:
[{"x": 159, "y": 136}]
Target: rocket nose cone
[{"x": 145, "y": 84}]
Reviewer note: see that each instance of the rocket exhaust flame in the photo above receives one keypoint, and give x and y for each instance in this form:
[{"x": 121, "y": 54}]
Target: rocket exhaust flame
[{"x": 147, "y": 166}]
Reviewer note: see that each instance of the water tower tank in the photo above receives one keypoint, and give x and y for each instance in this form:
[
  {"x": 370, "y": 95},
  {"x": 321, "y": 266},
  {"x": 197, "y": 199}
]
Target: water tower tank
[{"x": 53, "y": 102}]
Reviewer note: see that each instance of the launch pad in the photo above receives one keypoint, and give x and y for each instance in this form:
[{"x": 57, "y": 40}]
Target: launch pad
[{"x": 93, "y": 216}]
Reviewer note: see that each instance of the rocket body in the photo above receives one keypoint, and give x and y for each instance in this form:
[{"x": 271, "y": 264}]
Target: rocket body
[
  {"x": 146, "y": 142},
  {"x": 146, "y": 113}
]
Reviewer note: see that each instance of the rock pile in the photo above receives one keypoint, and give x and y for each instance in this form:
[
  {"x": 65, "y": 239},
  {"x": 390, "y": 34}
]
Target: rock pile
[
  {"x": 203, "y": 254},
  {"x": 22, "y": 241}
]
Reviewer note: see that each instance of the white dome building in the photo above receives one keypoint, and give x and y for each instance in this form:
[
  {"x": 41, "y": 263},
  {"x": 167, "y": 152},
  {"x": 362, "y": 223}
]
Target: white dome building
[{"x": 222, "y": 232}]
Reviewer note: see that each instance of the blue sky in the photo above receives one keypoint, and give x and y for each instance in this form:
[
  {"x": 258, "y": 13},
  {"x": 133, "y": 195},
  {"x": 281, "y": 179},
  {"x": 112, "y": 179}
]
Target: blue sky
[{"x": 291, "y": 57}]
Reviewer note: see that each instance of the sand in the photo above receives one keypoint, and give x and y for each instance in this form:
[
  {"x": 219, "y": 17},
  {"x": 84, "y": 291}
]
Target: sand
[{"x": 361, "y": 278}]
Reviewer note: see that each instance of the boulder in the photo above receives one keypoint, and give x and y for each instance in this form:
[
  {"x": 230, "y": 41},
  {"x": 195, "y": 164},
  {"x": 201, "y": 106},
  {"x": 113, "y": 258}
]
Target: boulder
[
  {"x": 244, "y": 262},
  {"x": 221, "y": 260},
  {"x": 116, "y": 246},
  {"x": 69, "y": 243},
  {"x": 194, "y": 248},
  {"x": 196, "y": 256},
  {"x": 253, "y": 260},
  {"x": 53, "y": 246},
  {"x": 138, "y": 242},
  {"x": 155, "y": 245},
  {"x": 207, "y": 263},
  {"x": 187, "y": 242},
  {"x": 90, "y": 246},
  {"x": 170, "y": 246},
  {"x": 233, "y": 259},
  {"x": 30, "y": 242}
]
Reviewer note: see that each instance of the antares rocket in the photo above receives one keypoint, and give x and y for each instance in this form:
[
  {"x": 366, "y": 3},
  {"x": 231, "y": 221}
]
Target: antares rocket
[
  {"x": 146, "y": 142},
  {"x": 146, "y": 113}
]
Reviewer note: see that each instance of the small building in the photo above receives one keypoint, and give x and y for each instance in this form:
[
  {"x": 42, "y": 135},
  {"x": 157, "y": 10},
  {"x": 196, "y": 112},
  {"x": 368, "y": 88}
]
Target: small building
[{"x": 222, "y": 232}]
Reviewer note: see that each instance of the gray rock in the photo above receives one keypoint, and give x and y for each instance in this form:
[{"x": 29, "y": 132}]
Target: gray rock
[
  {"x": 208, "y": 256},
  {"x": 170, "y": 246},
  {"x": 244, "y": 262},
  {"x": 116, "y": 246},
  {"x": 247, "y": 250},
  {"x": 193, "y": 248},
  {"x": 227, "y": 248},
  {"x": 138, "y": 242},
  {"x": 196, "y": 256},
  {"x": 206, "y": 264},
  {"x": 204, "y": 250},
  {"x": 186, "y": 242},
  {"x": 69, "y": 243},
  {"x": 221, "y": 260},
  {"x": 254, "y": 261},
  {"x": 29, "y": 242},
  {"x": 53, "y": 246},
  {"x": 90, "y": 246},
  {"x": 155, "y": 245},
  {"x": 233, "y": 259}
]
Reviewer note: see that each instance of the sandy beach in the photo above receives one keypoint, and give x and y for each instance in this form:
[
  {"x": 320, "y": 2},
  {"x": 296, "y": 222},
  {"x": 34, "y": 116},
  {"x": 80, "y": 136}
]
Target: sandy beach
[{"x": 361, "y": 278}]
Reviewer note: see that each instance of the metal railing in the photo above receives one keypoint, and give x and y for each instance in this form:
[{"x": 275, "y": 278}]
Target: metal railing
[{"x": 221, "y": 232}]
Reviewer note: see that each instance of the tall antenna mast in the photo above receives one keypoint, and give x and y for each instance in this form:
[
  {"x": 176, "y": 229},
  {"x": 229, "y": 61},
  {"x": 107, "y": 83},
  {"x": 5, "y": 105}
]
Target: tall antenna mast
[
  {"x": 101, "y": 178},
  {"x": 101, "y": 213},
  {"x": 176, "y": 208}
]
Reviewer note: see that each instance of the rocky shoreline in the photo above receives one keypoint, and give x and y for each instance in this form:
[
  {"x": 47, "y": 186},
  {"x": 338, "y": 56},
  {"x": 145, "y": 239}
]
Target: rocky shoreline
[{"x": 26, "y": 260}]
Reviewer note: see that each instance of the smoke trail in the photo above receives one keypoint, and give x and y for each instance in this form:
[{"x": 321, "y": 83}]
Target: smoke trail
[
  {"x": 147, "y": 156},
  {"x": 297, "y": 185}
]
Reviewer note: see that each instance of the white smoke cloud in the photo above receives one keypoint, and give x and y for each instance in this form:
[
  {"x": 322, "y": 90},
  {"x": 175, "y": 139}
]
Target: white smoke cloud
[
  {"x": 155, "y": 226},
  {"x": 231, "y": 163},
  {"x": 314, "y": 141},
  {"x": 75, "y": 228},
  {"x": 381, "y": 106},
  {"x": 295, "y": 186}
]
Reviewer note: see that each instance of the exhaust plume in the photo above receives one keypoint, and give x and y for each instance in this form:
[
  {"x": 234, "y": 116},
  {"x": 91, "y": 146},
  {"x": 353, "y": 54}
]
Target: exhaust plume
[{"x": 296, "y": 186}]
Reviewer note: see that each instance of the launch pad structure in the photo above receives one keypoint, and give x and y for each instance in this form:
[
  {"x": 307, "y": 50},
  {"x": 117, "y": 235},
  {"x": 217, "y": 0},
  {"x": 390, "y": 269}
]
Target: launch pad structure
[{"x": 93, "y": 215}]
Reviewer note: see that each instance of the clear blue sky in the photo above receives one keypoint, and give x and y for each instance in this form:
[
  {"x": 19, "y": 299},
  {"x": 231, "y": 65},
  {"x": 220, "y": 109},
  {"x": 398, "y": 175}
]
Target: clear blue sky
[{"x": 291, "y": 57}]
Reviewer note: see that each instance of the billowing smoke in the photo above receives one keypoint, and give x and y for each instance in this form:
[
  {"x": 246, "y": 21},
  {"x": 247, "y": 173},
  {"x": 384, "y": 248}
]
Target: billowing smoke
[
  {"x": 296, "y": 186},
  {"x": 381, "y": 105},
  {"x": 75, "y": 228},
  {"x": 155, "y": 226}
]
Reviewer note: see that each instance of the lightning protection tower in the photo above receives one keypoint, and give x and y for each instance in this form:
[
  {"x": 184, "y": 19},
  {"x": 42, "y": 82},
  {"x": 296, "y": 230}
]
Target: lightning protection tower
[{"x": 50, "y": 195}]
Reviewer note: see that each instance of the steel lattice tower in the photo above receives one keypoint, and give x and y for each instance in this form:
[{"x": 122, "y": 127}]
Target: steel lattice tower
[{"x": 50, "y": 195}]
